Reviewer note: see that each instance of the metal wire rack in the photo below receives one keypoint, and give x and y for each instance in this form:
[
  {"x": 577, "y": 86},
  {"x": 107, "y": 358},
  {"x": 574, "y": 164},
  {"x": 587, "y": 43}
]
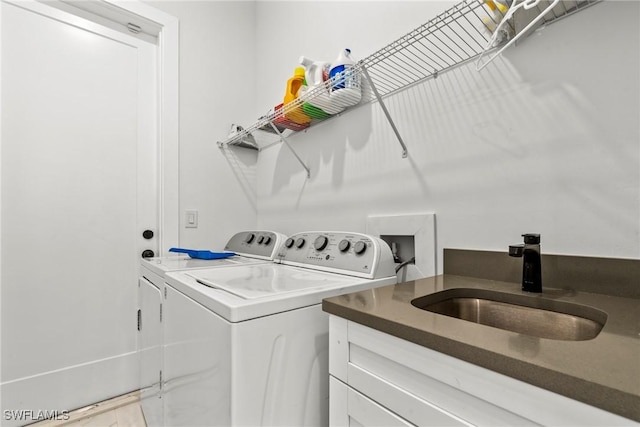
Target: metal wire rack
[{"x": 458, "y": 35}]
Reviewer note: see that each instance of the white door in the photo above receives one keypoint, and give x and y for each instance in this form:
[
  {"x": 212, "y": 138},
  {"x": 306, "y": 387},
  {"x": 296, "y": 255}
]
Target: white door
[{"x": 79, "y": 188}]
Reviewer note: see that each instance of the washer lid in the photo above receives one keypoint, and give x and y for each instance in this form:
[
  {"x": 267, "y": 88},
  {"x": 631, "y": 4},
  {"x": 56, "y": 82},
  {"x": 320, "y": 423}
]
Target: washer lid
[
  {"x": 269, "y": 280},
  {"x": 161, "y": 265},
  {"x": 240, "y": 293}
]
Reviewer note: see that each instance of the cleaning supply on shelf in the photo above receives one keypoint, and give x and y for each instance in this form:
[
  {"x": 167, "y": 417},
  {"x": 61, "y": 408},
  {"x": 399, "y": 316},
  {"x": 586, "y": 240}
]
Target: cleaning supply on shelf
[
  {"x": 292, "y": 109},
  {"x": 315, "y": 72},
  {"x": 281, "y": 122},
  {"x": 345, "y": 80},
  {"x": 316, "y": 93},
  {"x": 309, "y": 109},
  {"x": 495, "y": 14}
]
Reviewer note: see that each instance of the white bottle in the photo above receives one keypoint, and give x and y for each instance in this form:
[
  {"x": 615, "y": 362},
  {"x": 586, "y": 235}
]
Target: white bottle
[
  {"x": 316, "y": 92},
  {"x": 315, "y": 71},
  {"x": 345, "y": 80}
]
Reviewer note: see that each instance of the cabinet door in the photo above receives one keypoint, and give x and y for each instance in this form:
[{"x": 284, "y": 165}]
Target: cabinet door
[
  {"x": 149, "y": 334},
  {"x": 150, "y": 350},
  {"x": 338, "y": 408}
]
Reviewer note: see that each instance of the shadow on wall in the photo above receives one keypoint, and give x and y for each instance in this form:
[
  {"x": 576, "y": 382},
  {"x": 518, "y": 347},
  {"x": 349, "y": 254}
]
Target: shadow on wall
[
  {"x": 482, "y": 145},
  {"x": 324, "y": 144},
  {"x": 242, "y": 163},
  {"x": 432, "y": 117}
]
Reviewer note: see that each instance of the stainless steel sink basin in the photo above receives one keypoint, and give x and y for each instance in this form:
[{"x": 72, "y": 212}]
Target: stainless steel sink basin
[{"x": 529, "y": 315}]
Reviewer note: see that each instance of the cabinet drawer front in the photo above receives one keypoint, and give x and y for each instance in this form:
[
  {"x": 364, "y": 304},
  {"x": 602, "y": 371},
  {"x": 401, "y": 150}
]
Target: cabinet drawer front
[
  {"x": 365, "y": 412},
  {"x": 472, "y": 393},
  {"x": 410, "y": 372},
  {"x": 406, "y": 405}
]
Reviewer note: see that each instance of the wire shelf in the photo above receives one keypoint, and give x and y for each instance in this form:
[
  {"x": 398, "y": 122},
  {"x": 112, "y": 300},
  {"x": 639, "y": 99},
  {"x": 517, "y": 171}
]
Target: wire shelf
[{"x": 458, "y": 35}]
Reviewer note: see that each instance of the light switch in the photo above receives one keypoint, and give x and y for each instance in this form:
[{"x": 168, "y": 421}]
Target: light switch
[{"x": 191, "y": 219}]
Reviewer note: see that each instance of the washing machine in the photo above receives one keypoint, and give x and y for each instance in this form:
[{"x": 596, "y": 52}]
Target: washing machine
[
  {"x": 248, "y": 346},
  {"x": 250, "y": 247}
]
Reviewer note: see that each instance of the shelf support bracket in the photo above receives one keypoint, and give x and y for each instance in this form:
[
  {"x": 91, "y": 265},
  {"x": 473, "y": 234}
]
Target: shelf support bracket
[
  {"x": 275, "y": 129},
  {"x": 384, "y": 109}
]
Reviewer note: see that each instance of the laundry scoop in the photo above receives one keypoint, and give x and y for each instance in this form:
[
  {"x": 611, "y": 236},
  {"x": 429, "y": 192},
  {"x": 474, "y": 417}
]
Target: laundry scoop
[{"x": 202, "y": 254}]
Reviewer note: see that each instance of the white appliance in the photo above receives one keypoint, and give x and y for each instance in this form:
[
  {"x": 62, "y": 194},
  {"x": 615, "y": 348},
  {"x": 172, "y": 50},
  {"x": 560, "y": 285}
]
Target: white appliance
[
  {"x": 251, "y": 247},
  {"x": 248, "y": 346}
]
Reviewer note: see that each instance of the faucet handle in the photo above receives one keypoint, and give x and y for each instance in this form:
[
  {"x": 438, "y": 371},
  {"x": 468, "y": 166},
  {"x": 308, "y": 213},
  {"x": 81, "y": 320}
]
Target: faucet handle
[
  {"x": 516, "y": 250},
  {"x": 531, "y": 238}
]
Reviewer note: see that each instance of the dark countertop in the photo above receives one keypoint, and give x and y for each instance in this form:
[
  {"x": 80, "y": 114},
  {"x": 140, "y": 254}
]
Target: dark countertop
[{"x": 603, "y": 372}]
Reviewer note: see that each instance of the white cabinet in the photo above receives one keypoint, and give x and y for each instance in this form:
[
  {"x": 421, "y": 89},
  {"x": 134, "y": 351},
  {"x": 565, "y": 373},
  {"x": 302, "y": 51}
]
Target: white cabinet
[
  {"x": 397, "y": 382},
  {"x": 357, "y": 409},
  {"x": 150, "y": 347}
]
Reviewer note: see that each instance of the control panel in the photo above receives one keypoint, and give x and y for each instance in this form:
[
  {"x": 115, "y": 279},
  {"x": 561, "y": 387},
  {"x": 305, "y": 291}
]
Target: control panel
[
  {"x": 262, "y": 244},
  {"x": 349, "y": 253}
]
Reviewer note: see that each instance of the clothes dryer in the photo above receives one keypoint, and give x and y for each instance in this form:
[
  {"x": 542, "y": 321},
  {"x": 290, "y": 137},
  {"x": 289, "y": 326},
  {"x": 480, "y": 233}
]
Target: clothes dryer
[
  {"x": 250, "y": 247},
  {"x": 248, "y": 346}
]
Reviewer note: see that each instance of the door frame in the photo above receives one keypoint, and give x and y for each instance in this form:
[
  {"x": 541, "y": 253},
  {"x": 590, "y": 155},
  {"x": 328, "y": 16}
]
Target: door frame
[{"x": 168, "y": 117}]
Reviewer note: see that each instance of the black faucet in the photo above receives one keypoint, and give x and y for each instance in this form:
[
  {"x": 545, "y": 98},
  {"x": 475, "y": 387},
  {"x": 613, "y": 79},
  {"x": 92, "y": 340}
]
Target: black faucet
[{"x": 532, "y": 263}]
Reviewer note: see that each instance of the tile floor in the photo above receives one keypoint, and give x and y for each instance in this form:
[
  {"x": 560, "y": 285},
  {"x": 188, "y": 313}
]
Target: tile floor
[{"x": 121, "y": 411}]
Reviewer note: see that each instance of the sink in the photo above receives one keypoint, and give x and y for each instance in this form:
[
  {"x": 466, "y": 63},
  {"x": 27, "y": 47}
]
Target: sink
[{"x": 530, "y": 315}]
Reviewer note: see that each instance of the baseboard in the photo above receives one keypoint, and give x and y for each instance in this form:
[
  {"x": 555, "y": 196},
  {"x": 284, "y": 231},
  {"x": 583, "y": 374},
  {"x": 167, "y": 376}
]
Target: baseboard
[{"x": 58, "y": 392}]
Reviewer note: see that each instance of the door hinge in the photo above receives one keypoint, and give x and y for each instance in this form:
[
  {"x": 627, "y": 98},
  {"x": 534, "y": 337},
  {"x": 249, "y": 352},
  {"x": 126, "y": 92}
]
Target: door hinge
[
  {"x": 160, "y": 312},
  {"x": 139, "y": 319},
  {"x": 161, "y": 380},
  {"x": 165, "y": 292}
]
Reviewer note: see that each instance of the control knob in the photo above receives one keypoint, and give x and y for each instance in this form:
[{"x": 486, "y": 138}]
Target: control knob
[
  {"x": 344, "y": 245},
  {"x": 267, "y": 240},
  {"x": 360, "y": 247},
  {"x": 320, "y": 243},
  {"x": 289, "y": 242},
  {"x": 300, "y": 242},
  {"x": 260, "y": 239},
  {"x": 249, "y": 238}
]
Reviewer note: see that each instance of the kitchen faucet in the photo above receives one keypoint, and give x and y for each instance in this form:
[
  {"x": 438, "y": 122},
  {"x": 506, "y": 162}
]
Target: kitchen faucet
[{"x": 532, "y": 263}]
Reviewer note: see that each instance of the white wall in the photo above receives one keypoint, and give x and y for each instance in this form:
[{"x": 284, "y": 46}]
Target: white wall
[
  {"x": 544, "y": 140},
  {"x": 216, "y": 83}
]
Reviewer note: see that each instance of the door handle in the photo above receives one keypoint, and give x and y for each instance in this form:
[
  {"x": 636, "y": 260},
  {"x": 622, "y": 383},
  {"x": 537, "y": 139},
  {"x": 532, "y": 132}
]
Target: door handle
[{"x": 148, "y": 253}]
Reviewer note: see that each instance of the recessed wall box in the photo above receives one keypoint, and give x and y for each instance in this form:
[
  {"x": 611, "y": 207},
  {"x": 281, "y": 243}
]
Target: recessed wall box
[{"x": 411, "y": 236}]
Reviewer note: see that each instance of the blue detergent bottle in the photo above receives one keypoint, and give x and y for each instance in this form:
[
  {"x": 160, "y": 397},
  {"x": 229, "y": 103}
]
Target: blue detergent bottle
[{"x": 345, "y": 80}]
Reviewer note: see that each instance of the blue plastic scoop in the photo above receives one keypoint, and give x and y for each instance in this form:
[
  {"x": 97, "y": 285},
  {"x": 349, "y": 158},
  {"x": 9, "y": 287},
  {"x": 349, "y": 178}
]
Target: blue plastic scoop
[{"x": 203, "y": 254}]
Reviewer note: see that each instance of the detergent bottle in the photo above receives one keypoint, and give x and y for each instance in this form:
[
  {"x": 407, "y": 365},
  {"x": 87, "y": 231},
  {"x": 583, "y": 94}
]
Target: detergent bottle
[
  {"x": 309, "y": 109},
  {"x": 345, "y": 80},
  {"x": 495, "y": 13},
  {"x": 315, "y": 72},
  {"x": 316, "y": 92},
  {"x": 294, "y": 112}
]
